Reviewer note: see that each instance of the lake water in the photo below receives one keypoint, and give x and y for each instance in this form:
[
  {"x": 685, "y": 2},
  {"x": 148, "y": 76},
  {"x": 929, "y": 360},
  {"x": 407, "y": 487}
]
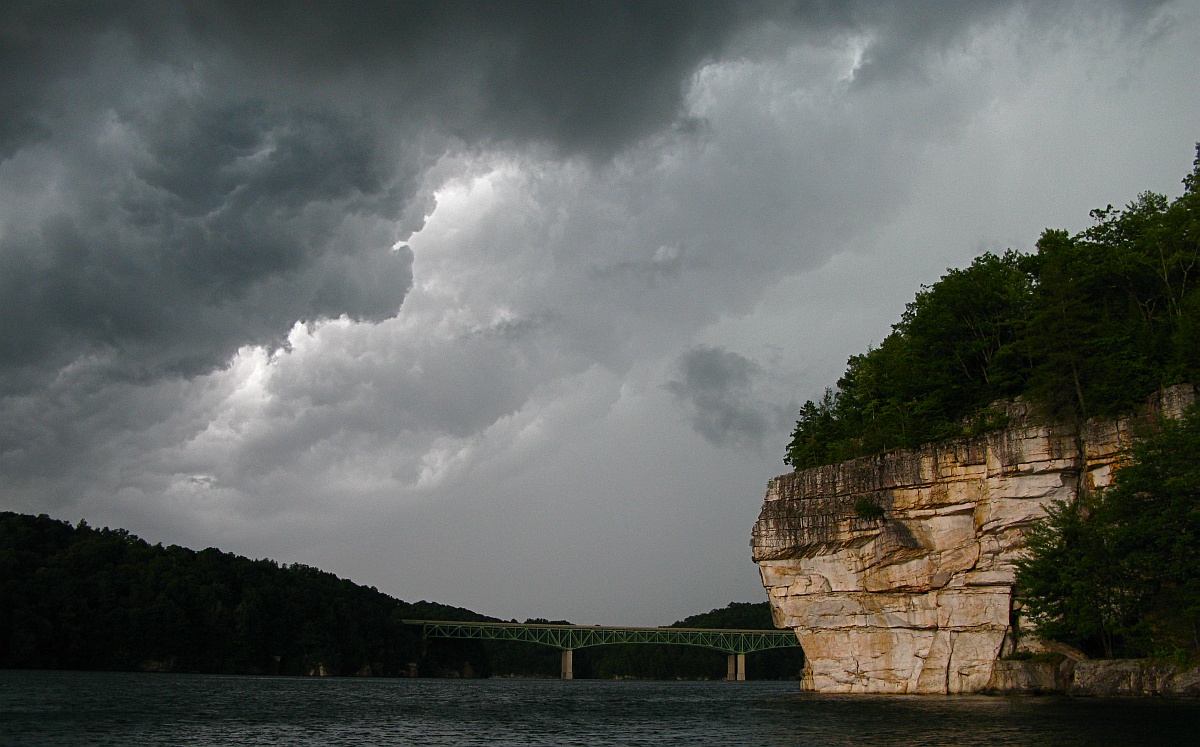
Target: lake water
[{"x": 90, "y": 708}]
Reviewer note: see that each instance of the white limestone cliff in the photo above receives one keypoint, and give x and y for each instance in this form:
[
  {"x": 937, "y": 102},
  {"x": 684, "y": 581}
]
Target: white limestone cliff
[{"x": 921, "y": 601}]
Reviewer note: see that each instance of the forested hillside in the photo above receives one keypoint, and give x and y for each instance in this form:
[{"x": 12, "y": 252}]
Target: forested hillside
[
  {"x": 1085, "y": 326},
  {"x": 76, "y": 597}
]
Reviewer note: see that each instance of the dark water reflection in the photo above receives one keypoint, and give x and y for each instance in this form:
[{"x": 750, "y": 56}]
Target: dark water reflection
[{"x": 85, "y": 708}]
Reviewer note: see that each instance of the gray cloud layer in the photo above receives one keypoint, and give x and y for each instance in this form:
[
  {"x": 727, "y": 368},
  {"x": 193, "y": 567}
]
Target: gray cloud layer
[
  {"x": 420, "y": 291},
  {"x": 188, "y": 178},
  {"x": 719, "y": 388}
]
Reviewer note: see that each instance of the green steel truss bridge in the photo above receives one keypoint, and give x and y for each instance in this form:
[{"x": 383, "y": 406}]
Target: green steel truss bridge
[{"x": 735, "y": 643}]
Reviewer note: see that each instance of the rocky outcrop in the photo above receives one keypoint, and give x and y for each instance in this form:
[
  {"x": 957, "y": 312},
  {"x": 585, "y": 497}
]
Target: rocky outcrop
[
  {"x": 1114, "y": 677},
  {"x": 919, "y": 600}
]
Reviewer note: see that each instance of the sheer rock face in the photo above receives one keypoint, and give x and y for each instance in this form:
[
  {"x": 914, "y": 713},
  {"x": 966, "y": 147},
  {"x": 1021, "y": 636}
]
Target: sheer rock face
[{"x": 920, "y": 601}]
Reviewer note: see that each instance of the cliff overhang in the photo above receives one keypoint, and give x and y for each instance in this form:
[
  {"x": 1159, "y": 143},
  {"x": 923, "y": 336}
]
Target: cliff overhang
[{"x": 920, "y": 600}]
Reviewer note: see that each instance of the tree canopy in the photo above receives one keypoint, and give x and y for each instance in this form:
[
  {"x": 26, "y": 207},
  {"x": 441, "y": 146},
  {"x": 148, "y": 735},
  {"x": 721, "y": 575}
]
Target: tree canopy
[
  {"x": 76, "y": 597},
  {"x": 1085, "y": 326}
]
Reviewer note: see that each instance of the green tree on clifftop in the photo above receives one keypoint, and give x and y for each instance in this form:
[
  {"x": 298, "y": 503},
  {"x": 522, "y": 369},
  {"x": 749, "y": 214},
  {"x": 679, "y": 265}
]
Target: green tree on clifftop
[{"x": 1087, "y": 326}]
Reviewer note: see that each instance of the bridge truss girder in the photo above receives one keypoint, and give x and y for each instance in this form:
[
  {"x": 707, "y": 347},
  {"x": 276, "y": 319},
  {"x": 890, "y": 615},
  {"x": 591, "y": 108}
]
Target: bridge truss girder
[{"x": 571, "y": 637}]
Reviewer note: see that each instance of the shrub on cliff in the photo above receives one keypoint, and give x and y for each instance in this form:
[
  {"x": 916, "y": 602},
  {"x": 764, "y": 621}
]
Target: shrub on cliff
[
  {"x": 1119, "y": 572},
  {"x": 1088, "y": 325}
]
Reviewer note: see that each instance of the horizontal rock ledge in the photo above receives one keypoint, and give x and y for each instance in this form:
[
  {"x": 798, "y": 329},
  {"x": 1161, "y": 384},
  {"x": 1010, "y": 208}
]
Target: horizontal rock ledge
[{"x": 920, "y": 600}]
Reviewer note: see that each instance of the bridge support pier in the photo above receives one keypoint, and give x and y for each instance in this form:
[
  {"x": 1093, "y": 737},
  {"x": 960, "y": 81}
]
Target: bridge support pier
[
  {"x": 736, "y": 667},
  {"x": 567, "y": 638},
  {"x": 568, "y": 664}
]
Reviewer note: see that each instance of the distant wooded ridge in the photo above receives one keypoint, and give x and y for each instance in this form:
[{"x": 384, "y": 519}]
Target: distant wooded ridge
[
  {"x": 1086, "y": 326},
  {"x": 77, "y": 597}
]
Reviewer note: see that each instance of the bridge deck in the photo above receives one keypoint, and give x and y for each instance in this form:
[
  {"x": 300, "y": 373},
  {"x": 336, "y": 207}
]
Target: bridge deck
[{"x": 570, "y": 637}]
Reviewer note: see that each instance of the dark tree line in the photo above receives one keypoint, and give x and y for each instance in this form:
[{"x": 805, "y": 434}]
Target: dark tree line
[
  {"x": 76, "y": 597},
  {"x": 1086, "y": 326}
]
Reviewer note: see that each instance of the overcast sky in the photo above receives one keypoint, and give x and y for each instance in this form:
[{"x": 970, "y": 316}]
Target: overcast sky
[{"x": 511, "y": 306}]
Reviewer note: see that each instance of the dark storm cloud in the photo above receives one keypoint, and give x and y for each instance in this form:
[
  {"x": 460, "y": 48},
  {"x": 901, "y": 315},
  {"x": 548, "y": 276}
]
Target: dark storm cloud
[
  {"x": 584, "y": 75},
  {"x": 718, "y": 387},
  {"x": 225, "y": 227},
  {"x": 187, "y": 178},
  {"x": 184, "y": 178}
]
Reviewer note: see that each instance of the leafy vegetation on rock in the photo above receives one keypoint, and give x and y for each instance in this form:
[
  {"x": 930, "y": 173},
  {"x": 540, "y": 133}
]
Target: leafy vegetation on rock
[
  {"x": 1086, "y": 326},
  {"x": 866, "y": 508},
  {"x": 1117, "y": 572}
]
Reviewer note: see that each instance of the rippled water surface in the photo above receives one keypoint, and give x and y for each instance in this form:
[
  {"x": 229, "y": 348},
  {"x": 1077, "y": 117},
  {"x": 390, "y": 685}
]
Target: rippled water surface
[{"x": 88, "y": 708}]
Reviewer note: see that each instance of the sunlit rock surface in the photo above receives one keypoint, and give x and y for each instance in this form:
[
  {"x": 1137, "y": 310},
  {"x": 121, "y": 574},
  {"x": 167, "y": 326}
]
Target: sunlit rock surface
[{"x": 920, "y": 601}]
